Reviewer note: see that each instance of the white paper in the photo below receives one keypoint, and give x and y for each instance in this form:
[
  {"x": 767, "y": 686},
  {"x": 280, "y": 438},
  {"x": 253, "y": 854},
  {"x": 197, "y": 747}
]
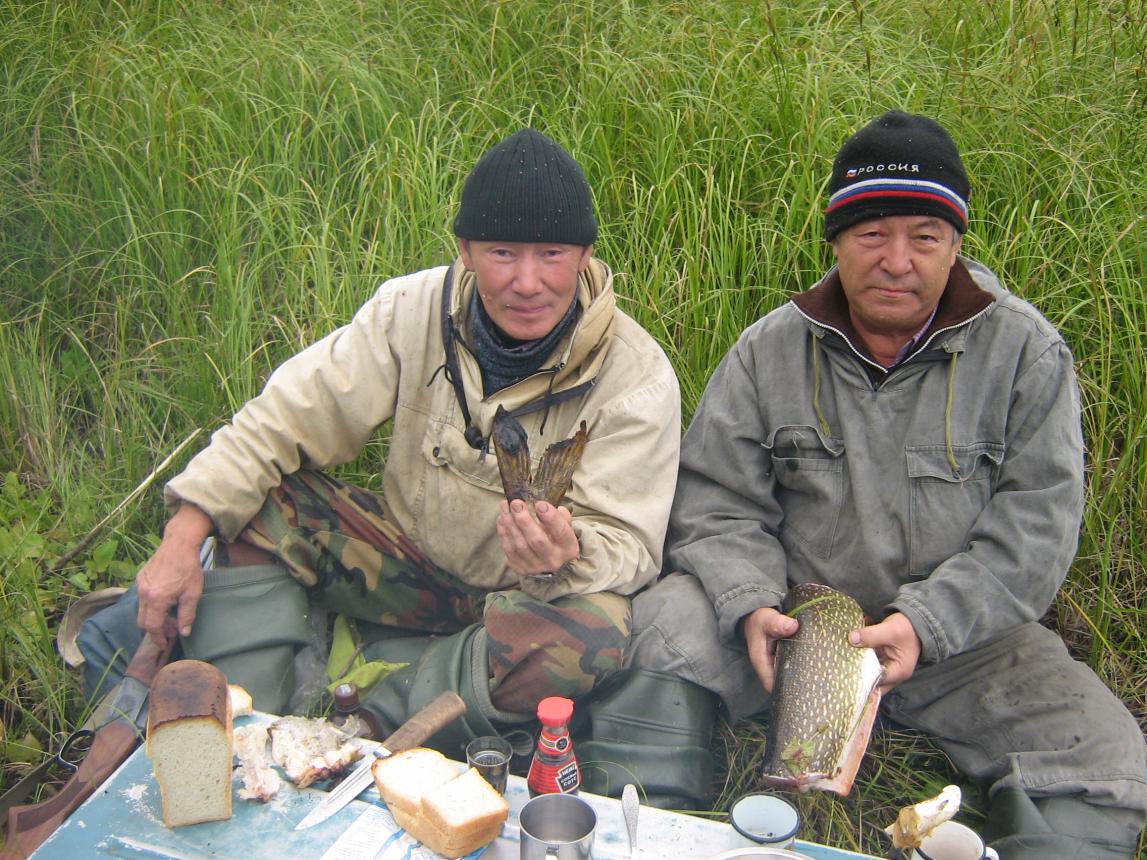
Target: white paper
[{"x": 374, "y": 835}]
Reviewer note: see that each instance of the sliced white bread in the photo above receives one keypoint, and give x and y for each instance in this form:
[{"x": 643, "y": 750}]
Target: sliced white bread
[
  {"x": 189, "y": 741},
  {"x": 464, "y": 814},
  {"x": 450, "y": 813},
  {"x": 404, "y": 777}
]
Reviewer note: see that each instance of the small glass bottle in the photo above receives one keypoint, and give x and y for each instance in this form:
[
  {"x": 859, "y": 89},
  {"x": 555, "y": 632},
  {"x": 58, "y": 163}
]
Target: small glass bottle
[
  {"x": 351, "y": 718},
  {"x": 554, "y": 768}
]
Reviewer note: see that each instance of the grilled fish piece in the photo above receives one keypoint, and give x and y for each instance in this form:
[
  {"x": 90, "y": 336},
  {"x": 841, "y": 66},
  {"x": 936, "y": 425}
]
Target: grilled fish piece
[
  {"x": 825, "y": 697},
  {"x": 555, "y": 473},
  {"x": 261, "y": 782},
  {"x": 309, "y": 750}
]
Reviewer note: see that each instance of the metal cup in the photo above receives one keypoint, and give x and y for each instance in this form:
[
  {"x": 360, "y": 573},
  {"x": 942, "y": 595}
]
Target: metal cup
[
  {"x": 490, "y": 756},
  {"x": 953, "y": 841},
  {"x": 557, "y": 827},
  {"x": 765, "y": 819}
]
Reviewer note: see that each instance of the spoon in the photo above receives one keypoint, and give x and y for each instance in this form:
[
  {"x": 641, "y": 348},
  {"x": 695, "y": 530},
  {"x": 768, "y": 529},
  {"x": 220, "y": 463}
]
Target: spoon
[{"x": 630, "y": 806}]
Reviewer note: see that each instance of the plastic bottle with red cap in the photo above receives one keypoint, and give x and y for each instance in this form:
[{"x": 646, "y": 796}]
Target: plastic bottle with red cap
[{"x": 554, "y": 769}]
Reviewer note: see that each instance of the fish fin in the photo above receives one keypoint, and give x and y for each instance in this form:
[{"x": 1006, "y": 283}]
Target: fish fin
[
  {"x": 555, "y": 472},
  {"x": 513, "y": 451}
]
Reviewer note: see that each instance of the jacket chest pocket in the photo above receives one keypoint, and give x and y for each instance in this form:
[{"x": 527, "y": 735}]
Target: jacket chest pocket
[
  {"x": 945, "y": 503},
  {"x": 809, "y": 475},
  {"x": 461, "y": 485}
]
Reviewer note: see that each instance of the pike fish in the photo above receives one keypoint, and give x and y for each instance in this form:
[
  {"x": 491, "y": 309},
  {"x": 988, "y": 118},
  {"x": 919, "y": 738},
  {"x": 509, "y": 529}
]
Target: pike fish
[
  {"x": 554, "y": 476},
  {"x": 825, "y": 697}
]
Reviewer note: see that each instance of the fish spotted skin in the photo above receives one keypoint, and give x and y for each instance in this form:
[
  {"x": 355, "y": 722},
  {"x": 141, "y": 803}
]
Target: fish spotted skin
[{"x": 825, "y": 696}]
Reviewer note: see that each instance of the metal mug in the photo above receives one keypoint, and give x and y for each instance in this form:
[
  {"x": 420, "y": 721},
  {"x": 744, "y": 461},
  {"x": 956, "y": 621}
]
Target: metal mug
[
  {"x": 765, "y": 819},
  {"x": 557, "y": 827},
  {"x": 954, "y": 841}
]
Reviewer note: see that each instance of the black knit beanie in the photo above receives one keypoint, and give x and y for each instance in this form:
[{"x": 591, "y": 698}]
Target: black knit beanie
[
  {"x": 898, "y": 164},
  {"x": 527, "y": 189}
]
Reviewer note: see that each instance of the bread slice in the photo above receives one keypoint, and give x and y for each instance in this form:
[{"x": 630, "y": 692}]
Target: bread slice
[
  {"x": 452, "y": 814},
  {"x": 404, "y": 777},
  {"x": 189, "y": 741},
  {"x": 464, "y": 814}
]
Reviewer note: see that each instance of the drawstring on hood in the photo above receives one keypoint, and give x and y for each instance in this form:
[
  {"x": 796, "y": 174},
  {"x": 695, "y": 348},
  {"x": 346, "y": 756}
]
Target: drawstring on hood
[
  {"x": 826, "y": 308},
  {"x": 948, "y": 414},
  {"x": 824, "y": 427}
]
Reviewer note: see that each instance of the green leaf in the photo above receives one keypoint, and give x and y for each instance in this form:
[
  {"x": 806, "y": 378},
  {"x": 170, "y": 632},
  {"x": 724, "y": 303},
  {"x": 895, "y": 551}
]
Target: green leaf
[{"x": 24, "y": 751}]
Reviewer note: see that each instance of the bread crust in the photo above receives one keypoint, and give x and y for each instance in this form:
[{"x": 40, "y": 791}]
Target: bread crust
[
  {"x": 188, "y": 688},
  {"x": 189, "y": 718}
]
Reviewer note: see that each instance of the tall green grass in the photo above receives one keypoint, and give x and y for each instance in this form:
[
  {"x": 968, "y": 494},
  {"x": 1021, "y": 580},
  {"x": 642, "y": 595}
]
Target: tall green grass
[{"x": 191, "y": 191}]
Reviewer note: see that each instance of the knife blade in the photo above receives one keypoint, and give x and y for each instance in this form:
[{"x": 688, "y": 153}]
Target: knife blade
[{"x": 419, "y": 728}]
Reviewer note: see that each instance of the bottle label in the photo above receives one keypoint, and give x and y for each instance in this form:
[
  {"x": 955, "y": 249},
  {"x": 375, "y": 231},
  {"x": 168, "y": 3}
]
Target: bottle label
[
  {"x": 568, "y": 777},
  {"x": 550, "y": 778}
]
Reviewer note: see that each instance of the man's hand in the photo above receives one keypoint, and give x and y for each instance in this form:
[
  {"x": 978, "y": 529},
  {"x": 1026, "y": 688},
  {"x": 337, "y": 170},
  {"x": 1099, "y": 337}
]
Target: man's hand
[
  {"x": 173, "y": 577},
  {"x": 896, "y": 644},
  {"x": 762, "y": 628},
  {"x": 537, "y": 541}
]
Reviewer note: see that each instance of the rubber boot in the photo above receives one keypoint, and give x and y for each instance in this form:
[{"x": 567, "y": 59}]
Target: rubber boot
[
  {"x": 1067, "y": 828},
  {"x": 653, "y": 729},
  {"x": 250, "y": 622},
  {"x": 459, "y": 662}
]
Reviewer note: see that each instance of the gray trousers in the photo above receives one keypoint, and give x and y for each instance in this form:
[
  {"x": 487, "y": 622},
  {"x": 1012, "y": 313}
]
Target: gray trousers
[{"x": 1018, "y": 712}]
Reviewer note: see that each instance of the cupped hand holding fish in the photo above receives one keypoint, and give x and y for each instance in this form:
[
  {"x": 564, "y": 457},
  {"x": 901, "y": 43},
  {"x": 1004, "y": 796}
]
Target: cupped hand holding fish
[
  {"x": 896, "y": 644},
  {"x": 536, "y": 532},
  {"x": 536, "y": 541}
]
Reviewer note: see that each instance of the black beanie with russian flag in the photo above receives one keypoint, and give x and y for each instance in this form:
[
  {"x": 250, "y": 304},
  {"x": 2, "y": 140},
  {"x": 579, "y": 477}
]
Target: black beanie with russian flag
[{"x": 898, "y": 164}]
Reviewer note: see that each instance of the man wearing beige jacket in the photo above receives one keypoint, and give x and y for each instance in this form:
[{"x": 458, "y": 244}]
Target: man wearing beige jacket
[{"x": 524, "y": 600}]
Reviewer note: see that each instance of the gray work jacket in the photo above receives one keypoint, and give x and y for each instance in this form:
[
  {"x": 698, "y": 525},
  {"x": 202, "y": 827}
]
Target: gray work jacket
[{"x": 949, "y": 488}]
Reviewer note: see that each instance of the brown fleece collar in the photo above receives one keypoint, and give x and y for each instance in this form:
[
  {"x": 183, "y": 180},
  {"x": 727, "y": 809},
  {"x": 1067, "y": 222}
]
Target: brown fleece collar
[{"x": 961, "y": 300}]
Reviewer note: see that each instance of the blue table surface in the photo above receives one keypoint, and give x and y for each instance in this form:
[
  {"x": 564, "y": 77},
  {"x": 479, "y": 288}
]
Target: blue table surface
[{"x": 123, "y": 818}]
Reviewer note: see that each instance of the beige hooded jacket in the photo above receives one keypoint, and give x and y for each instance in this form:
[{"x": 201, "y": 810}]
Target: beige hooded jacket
[{"x": 321, "y": 407}]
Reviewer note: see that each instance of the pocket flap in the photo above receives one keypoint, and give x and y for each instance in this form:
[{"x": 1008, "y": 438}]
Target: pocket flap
[{"x": 931, "y": 461}]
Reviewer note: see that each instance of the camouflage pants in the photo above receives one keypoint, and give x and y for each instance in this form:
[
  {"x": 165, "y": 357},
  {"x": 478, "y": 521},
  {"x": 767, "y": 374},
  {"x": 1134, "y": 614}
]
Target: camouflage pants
[{"x": 335, "y": 540}]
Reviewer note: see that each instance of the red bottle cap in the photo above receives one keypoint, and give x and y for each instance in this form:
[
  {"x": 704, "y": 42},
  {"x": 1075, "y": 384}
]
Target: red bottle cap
[{"x": 555, "y": 711}]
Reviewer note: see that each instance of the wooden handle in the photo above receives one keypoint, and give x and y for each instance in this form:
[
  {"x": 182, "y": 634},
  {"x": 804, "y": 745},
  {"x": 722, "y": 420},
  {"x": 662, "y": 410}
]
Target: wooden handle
[
  {"x": 31, "y": 824},
  {"x": 148, "y": 659},
  {"x": 426, "y": 722}
]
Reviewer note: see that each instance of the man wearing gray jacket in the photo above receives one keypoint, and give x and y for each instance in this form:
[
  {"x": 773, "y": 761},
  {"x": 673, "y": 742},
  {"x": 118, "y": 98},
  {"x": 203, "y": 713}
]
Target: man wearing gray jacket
[{"x": 908, "y": 432}]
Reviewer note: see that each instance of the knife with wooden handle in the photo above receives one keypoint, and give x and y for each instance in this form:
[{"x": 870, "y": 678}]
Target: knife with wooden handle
[{"x": 421, "y": 726}]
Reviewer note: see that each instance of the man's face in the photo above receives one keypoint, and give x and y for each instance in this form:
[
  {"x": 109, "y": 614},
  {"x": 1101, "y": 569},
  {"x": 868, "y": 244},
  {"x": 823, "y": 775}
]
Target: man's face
[
  {"x": 526, "y": 287},
  {"x": 894, "y": 270}
]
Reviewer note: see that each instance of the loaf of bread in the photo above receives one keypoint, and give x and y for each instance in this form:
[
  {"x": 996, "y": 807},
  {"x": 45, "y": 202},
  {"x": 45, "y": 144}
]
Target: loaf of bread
[
  {"x": 189, "y": 741},
  {"x": 450, "y": 812}
]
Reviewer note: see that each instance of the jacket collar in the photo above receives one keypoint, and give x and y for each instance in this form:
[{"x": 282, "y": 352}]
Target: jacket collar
[
  {"x": 962, "y": 300},
  {"x": 578, "y": 357}
]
